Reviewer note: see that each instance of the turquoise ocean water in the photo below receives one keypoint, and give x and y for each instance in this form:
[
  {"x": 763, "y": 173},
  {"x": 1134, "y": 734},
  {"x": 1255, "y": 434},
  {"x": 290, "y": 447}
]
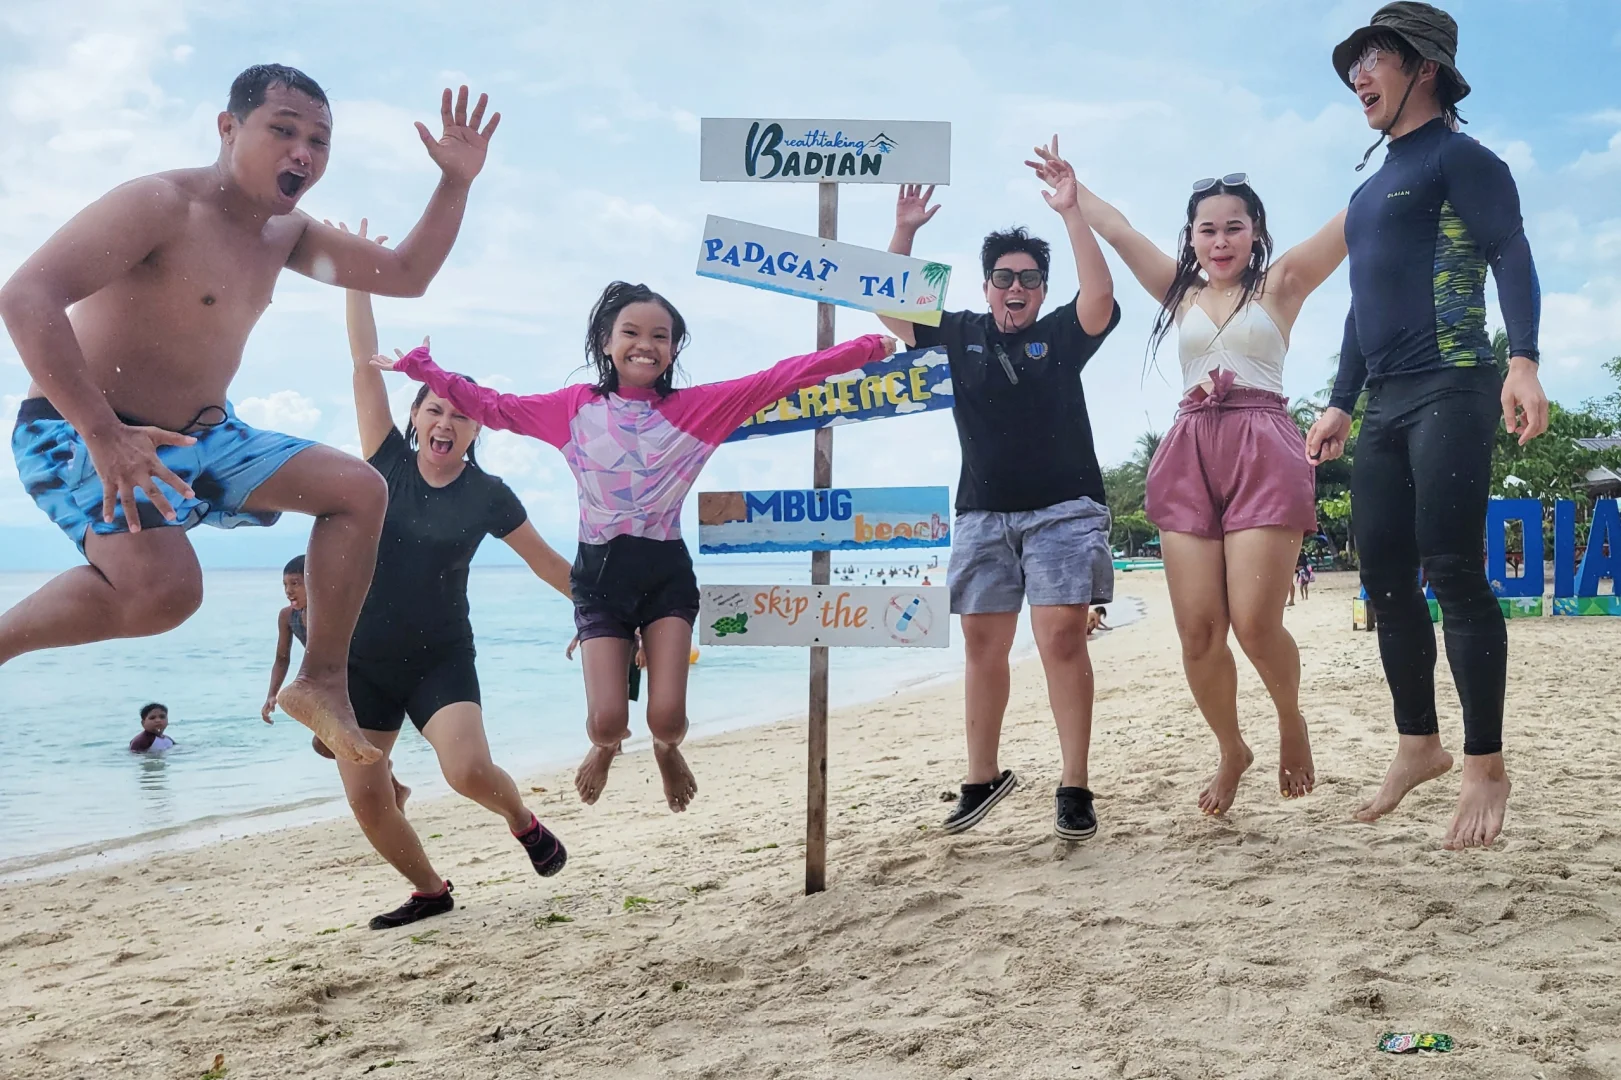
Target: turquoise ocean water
[{"x": 72, "y": 793}]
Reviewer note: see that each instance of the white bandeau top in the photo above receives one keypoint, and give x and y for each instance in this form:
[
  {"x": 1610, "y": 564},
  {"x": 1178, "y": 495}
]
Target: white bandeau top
[{"x": 1250, "y": 346}]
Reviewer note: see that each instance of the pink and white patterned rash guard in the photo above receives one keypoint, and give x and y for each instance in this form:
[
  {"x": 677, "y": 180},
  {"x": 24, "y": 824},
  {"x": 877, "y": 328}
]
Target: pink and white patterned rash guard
[{"x": 634, "y": 453}]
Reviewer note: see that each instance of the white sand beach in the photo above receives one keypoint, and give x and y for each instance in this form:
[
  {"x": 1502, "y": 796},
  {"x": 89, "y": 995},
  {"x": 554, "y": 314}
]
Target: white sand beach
[{"x": 1277, "y": 943}]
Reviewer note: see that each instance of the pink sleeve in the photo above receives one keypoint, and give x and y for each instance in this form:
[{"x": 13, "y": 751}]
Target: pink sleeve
[
  {"x": 715, "y": 410},
  {"x": 542, "y": 416}
]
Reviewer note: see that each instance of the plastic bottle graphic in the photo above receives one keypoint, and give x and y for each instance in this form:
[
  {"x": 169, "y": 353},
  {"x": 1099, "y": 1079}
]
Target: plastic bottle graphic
[{"x": 906, "y": 616}]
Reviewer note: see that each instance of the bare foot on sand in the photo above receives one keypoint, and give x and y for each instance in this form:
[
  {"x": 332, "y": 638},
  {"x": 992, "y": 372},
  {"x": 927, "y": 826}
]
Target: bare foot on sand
[
  {"x": 1418, "y": 759},
  {"x": 1218, "y": 794},
  {"x": 1481, "y": 802},
  {"x": 324, "y": 709},
  {"x": 679, "y": 785},
  {"x": 1296, "y": 773},
  {"x": 401, "y": 792},
  {"x": 592, "y": 776}
]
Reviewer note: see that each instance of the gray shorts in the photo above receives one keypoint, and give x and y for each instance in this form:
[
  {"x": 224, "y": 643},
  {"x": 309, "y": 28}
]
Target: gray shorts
[{"x": 1058, "y": 555}]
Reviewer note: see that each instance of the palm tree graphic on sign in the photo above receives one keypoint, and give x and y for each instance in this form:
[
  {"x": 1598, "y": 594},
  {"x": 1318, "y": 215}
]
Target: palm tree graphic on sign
[{"x": 936, "y": 274}]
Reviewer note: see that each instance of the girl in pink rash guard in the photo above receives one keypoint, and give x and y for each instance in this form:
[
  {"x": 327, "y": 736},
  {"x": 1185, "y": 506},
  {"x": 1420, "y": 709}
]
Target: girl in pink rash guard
[{"x": 636, "y": 445}]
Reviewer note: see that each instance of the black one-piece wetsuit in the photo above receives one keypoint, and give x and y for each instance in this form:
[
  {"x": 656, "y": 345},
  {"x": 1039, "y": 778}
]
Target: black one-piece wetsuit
[
  {"x": 412, "y": 652},
  {"x": 1422, "y": 232}
]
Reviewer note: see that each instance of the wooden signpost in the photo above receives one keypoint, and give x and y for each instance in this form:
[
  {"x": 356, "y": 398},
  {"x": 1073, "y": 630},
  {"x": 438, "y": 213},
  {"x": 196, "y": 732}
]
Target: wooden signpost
[
  {"x": 921, "y": 154},
  {"x": 823, "y": 519}
]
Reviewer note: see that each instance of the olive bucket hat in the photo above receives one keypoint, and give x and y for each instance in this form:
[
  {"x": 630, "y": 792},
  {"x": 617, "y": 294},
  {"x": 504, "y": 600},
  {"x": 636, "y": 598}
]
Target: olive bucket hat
[{"x": 1431, "y": 33}]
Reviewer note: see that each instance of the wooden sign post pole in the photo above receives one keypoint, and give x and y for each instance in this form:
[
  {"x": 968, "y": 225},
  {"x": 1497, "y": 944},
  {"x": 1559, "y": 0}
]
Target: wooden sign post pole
[{"x": 827, "y": 227}]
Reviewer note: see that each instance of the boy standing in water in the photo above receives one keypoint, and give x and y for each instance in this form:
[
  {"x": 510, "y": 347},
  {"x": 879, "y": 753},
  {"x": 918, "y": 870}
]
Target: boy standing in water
[
  {"x": 1422, "y": 232},
  {"x": 291, "y": 623},
  {"x": 154, "y": 722},
  {"x": 126, "y": 429}
]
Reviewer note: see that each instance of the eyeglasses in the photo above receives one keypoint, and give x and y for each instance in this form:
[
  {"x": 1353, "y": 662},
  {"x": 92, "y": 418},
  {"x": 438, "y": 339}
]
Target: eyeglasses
[
  {"x": 1002, "y": 278},
  {"x": 1232, "y": 179},
  {"x": 1366, "y": 62}
]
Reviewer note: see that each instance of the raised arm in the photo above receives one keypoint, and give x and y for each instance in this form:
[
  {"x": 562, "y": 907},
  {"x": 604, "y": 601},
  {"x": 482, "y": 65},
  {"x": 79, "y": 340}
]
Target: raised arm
[
  {"x": 1094, "y": 303},
  {"x": 715, "y": 410},
  {"x": 101, "y": 244},
  {"x": 912, "y": 212},
  {"x": 371, "y": 394},
  {"x": 338, "y": 258},
  {"x": 540, "y": 556},
  {"x": 1152, "y": 268},
  {"x": 542, "y": 416},
  {"x": 1307, "y": 265}
]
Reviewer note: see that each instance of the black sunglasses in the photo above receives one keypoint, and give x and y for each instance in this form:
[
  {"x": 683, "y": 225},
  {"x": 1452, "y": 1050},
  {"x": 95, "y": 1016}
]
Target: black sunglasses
[
  {"x": 1232, "y": 179},
  {"x": 1002, "y": 278}
]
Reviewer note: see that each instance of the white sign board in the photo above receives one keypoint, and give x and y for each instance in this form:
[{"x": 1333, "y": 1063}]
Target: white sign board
[
  {"x": 825, "y": 270},
  {"x": 845, "y": 151},
  {"x": 862, "y": 615}
]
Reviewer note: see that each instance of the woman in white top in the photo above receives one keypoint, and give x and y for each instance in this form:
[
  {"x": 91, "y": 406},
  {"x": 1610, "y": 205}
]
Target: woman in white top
[{"x": 1230, "y": 487}]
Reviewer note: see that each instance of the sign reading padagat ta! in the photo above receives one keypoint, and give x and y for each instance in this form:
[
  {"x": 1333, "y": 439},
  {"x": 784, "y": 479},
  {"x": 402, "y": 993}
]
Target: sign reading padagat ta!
[{"x": 819, "y": 151}]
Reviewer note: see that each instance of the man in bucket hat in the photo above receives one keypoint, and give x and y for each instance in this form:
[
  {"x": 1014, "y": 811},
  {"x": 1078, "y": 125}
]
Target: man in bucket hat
[{"x": 1422, "y": 232}]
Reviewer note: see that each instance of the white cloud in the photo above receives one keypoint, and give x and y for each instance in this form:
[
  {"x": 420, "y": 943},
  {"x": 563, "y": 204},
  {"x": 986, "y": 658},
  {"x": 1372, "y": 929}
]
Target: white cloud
[{"x": 284, "y": 410}]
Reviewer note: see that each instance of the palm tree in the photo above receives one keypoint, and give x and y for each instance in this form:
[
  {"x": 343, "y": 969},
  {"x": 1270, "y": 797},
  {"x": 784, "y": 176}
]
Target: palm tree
[{"x": 1147, "y": 446}]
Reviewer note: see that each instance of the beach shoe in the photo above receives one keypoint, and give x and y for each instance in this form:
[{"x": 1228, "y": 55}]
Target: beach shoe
[
  {"x": 545, "y": 850},
  {"x": 419, "y": 906},
  {"x": 1075, "y": 819},
  {"x": 976, "y": 801}
]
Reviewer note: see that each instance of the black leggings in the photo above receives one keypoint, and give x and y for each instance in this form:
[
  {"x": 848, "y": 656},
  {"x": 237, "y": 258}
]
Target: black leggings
[{"x": 1419, "y": 486}]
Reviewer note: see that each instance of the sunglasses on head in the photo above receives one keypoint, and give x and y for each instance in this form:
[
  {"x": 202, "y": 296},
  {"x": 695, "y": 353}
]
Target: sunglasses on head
[
  {"x": 1002, "y": 278},
  {"x": 1232, "y": 179}
]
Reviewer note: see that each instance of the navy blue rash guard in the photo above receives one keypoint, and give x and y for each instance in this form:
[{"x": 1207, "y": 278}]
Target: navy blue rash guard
[{"x": 1421, "y": 233}]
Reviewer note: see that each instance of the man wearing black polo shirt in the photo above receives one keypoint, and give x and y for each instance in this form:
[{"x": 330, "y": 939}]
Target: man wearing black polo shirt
[{"x": 1031, "y": 520}]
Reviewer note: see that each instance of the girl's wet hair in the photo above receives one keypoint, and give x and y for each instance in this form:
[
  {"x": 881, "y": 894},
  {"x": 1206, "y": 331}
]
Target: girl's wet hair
[
  {"x": 411, "y": 424},
  {"x": 150, "y": 708},
  {"x": 1187, "y": 262},
  {"x": 599, "y": 332},
  {"x": 295, "y": 565}
]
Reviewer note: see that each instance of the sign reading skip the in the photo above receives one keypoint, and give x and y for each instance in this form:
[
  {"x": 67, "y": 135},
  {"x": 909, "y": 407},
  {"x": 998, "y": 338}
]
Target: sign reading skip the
[
  {"x": 861, "y": 615},
  {"x": 881, "y": 282}
]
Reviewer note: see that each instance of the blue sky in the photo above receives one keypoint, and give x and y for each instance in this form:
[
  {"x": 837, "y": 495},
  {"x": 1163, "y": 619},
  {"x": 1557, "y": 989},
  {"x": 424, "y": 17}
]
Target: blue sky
[{"x": 593, "y": 176}]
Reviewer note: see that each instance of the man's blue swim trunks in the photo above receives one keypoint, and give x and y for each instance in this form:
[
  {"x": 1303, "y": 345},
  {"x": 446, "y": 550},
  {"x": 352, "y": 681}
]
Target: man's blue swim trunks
[{"x": 224, "y": 466}]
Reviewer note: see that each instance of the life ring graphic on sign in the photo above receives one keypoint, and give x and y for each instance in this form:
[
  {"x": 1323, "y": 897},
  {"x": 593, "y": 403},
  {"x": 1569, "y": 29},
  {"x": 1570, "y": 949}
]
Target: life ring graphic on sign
[{"x": 908, "y": 618}]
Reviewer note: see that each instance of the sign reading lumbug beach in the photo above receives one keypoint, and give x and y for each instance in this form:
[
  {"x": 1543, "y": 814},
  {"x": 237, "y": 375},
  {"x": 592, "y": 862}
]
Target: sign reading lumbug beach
[
  {"x": 845, "y": 151},
  {"x": 867, "y": 615},
  {"x": 823, "y": 519},
  {"x": 863, "y": 278}
]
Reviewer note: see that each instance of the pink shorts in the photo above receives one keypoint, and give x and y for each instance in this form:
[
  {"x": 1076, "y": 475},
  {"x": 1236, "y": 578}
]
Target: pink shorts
[{"x": 1233, "y": 460}]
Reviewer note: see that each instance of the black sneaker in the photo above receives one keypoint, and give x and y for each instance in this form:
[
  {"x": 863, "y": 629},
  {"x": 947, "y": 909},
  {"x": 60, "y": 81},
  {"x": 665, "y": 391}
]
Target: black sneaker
[
  {"x": 976, "y": 801},
  {"x": 545, "y": 850},
  {"x": 418, "y": 906},
  {"x": 1075, "y": 819}
]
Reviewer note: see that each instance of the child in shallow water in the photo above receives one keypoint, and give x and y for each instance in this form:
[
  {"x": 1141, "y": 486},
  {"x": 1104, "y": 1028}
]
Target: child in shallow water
[
  {"x": 636, "y": 445},
  {"x": 152, "y": 740}
]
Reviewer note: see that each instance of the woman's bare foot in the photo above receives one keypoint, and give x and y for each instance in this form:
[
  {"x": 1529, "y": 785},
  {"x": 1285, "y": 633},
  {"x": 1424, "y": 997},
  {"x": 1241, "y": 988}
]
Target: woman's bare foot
[
  {"x": 1482, "y": 800},
  {"x": 1218, "y": 794},
  {"x": 1419, "y": 758},
  {"x": 401, "y": 792},
  {"x": 679, "y": 785},
  {"x": 592, "y": 776},
  {"x": 324, "y": 708},
  {"x": 1296, "y": 773}
]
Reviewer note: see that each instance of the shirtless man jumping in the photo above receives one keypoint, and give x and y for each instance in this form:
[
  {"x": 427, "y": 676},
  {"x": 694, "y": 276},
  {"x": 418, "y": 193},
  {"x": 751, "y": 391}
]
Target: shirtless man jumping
[{"x": 126, "y": 431}]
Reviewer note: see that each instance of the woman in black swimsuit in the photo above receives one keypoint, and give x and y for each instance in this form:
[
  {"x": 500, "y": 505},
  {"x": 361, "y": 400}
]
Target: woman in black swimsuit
[{"x": 412, "y": 653}]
